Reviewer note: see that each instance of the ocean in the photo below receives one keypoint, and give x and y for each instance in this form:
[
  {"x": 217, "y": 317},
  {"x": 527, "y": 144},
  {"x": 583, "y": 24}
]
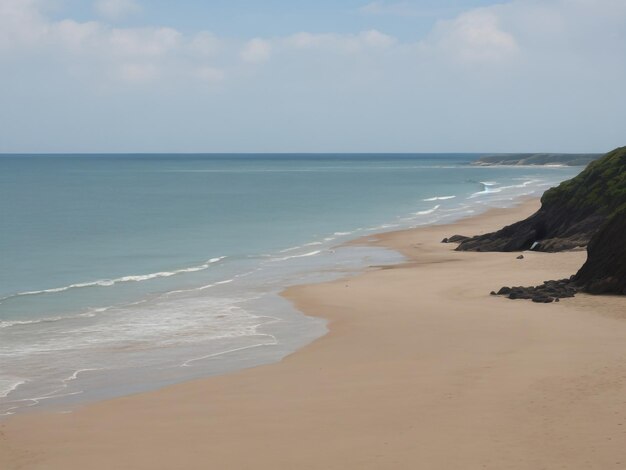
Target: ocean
[{"x": 125, "y": 273}]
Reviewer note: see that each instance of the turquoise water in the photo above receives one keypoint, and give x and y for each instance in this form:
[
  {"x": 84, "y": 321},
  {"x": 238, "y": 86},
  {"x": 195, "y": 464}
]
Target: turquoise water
[{"x": 169, "y": 264}]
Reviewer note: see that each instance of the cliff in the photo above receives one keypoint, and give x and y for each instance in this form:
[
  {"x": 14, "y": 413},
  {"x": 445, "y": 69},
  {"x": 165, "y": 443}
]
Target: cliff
[
  {"x": 570, "y": 213},
  {"x": 604, "y": 272}
]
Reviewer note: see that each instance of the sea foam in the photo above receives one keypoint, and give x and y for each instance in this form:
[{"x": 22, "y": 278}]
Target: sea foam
[
  {"x": 9, "y": 384},
  {"x": 305, "y": 255},
  {"x": 112, "y": 282},
  {"x": 428, "y": 211},
  {"x": 438, "y": 198}
]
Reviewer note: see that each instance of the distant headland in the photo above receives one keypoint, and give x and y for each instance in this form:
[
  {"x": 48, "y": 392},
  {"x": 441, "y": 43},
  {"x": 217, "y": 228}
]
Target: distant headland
[{"x": 566, "y": 159}]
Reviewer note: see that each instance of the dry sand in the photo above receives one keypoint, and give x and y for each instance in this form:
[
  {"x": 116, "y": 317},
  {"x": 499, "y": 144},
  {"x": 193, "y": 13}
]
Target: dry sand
[{"x": 422, "y": 369}]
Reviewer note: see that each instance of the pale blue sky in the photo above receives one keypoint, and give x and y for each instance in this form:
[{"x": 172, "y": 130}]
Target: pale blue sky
[
  {"x": 245, "y": 18},
  {"x": 278, "y": 76}
]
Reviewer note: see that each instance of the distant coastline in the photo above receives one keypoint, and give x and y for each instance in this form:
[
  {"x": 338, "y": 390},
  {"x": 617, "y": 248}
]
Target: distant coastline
[{"x": 564, "y": 159}]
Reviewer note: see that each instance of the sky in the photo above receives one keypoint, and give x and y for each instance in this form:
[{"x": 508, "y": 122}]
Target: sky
[{"x": 302, "y": 76}]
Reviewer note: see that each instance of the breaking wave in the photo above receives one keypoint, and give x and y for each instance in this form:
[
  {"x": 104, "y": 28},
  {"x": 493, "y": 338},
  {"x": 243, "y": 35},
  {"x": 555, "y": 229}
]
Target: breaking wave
[
  {"x": 438, "y": 198},
  {"x": 429, "y": 211},
  {"x": 112, "y": 282}
]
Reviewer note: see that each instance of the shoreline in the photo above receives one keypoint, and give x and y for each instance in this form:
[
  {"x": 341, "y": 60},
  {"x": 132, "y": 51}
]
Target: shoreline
[
  {"x": 418, "y": 360},
  {"x": 64, "y": 399},
  {"x": 97, "y": 329}
]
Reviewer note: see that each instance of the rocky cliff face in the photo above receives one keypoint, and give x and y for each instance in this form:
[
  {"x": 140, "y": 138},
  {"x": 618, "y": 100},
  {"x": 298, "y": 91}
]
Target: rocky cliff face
[
  {"x": 570, "y": 214},
  {"x": 605, "y": 269}
]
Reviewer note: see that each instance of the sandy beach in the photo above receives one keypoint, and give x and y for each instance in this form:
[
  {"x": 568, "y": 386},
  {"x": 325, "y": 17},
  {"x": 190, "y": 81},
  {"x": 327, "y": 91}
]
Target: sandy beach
[{"x": 421, "y": 369}]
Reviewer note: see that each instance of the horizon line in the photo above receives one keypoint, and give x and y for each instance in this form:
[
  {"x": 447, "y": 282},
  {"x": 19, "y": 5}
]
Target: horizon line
[{"x": 2, "y": 154}]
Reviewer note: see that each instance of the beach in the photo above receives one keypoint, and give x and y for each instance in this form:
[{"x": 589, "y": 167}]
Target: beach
[{"x": 421, "y": 369}]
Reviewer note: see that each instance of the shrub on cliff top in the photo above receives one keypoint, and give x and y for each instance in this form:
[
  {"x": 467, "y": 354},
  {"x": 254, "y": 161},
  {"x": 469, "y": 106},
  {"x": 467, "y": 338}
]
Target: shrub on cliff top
[{"x": 601, "y": 187}]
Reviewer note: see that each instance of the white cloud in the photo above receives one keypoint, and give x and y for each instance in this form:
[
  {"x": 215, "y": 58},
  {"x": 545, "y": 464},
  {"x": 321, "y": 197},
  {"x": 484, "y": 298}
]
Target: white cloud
[
  {"x": 20, "y": 23},
  {"x": 375, "y": 38},
  {"x": 210, "y": 74},
  {"x": 343, "y": 43},
  {"x": 96, "y": 51},
  {"x": 475, "y": 36},
  {"x": 555, "y": 67},
  {"x": 308, "y": 40},
  {"x": 116, "y": 9},
  {"x": 205, "y": 44},
  {"x": 256, "y": 50},
  {"x": 518, "y": 32},
  {"x": 497, "y": 35},
  {"x": 136, "y": 72},
  {"x": 73, "y": 35},
  {"x": 143, "y": 41}
]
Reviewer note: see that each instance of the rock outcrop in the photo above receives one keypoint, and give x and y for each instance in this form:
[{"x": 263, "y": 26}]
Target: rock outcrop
[
  {"x": 604, "y": 272},
  {"x": 549, "y": 291},
  {"x": 454, "y": 239},
  {"x": 570, "y": 213},
  {"x": 588, "y": 210}
]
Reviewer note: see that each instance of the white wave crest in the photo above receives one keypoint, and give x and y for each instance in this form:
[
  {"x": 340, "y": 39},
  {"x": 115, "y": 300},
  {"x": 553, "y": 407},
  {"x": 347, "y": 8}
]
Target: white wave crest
[
  {"x": 429, "y": 211},
  {"x": 9, "y": 384},
  {"x": 489, "y": 189},
  {"x": 517, "y": 186},
  {"x": 294, "y": 248},
  {"x": 382, "y": 227},
  {"x": 9, "y": 323},
  {"x": 76, "y": 373},
  {"x": 438, "y": 198},
  {"x": 312, "y": 253},
  {"x": 201, "y": 288},
  {"x": 90, "y": 313},
  {"x": 111, "y": 282}
]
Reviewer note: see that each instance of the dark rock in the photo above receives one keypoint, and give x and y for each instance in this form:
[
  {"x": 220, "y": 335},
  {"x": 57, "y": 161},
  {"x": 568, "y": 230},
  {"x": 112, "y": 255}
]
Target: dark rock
[
  {"x": 604, "y": 272},
  {"x": 549, "y": 291},
  {"x": 455, "y": 239},
  {"x": 570, "y": 214},
  {"x": 493, "y": 293},
  {"x": 520, "y": 257},
  {"x": 589, "y": 209}
]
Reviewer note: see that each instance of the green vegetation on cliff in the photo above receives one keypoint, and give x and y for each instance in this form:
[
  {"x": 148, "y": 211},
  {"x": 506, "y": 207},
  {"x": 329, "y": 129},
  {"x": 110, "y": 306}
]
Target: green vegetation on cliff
[
  {"x": 600, "y": 187},
  {"x": 589, "y": 209},
  {"x": 570, "y": 214}
]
